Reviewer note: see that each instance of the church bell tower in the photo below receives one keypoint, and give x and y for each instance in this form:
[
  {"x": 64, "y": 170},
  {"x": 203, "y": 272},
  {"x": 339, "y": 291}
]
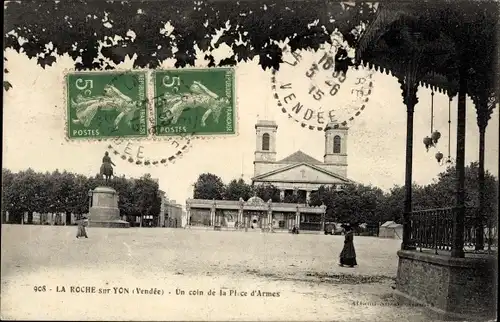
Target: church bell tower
[
  {"x": 265, "y": 151},
  {"x": 336, "y": 148}
]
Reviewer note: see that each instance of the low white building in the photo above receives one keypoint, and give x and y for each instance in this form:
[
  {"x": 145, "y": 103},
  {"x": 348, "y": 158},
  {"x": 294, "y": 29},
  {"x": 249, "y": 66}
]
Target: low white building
[{"x": 391, "y": 229}]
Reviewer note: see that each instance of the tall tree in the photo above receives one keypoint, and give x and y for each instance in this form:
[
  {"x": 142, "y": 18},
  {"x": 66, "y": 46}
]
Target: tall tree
[
  {"x": 209, "y": 186},
  {"x": 442, "y": 191},
  {"x": 356, "y": 203},
  {"x": 292, "y": 198},
  {"x": 24, "y": 194},
  {"x": 237, "y": 189},
  {"x": 147, "y": 200},
  {"x": 7, "y": 193},
  {"x": 266, "y": 192},
  {"x": 80, "y": 203},
  {"x": 125, "y": 189}
]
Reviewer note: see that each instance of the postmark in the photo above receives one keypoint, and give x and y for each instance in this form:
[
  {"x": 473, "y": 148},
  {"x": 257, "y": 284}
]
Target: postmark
[
  {"x": 309, "y": 91},
  {"x": 107, "y": 104},
  {"x": 197, "y": 101},
  {"x": 150, "y": 153}
]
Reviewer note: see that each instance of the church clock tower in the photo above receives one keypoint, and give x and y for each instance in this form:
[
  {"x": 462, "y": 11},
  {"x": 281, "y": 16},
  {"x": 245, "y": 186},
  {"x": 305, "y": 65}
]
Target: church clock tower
[
  {"x": 336, "y": 148},
  {"x": 265, "y": 151}
]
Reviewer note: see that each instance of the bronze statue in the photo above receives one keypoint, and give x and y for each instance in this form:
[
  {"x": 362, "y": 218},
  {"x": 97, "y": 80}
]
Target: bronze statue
[{"x": 107, "y": 167}]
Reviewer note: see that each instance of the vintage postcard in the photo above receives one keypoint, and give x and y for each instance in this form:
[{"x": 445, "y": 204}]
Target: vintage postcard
[{"x": 250, "y": 161}]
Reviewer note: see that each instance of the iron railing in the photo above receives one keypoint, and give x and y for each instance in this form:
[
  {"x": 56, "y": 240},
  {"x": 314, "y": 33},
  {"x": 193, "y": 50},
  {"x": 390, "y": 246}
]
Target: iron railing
[{"x": 433, "y": 229}]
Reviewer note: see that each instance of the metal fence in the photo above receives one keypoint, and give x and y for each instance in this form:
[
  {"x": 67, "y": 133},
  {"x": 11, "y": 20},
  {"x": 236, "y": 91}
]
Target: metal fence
[{"x": 433, "y": 229}]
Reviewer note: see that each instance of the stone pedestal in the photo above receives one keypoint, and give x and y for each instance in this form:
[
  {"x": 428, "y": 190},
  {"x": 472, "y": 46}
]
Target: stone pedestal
[
  {"x": 450, "y": 288},
  {"x": 104, "y": 211}
]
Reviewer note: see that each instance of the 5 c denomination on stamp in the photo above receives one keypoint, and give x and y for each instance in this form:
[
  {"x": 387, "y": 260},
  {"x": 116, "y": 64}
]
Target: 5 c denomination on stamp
[
  {"x": 195, "y": 101},
  {"x": 106, "y": 104}
]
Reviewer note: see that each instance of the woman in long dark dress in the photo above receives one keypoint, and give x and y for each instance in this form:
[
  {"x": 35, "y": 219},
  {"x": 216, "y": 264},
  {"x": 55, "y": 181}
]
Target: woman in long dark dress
[
  {"x": 348, "y": 254},
  {"x": 82, "y": 232}
]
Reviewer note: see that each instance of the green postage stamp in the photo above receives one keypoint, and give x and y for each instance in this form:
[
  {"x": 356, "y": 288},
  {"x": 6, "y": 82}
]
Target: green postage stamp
[
  {"x": 106, "y": 104},
  {"x": 194, "y": 101}
]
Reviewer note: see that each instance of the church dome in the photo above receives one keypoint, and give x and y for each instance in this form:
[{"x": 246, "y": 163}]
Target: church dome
[{"x": 255, "y": 200}]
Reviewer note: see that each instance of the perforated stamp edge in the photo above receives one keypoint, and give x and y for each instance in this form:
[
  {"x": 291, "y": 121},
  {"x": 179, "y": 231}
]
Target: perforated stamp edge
[
  {"x": 151, "y": 108},
  {"x": 195, "y": 136},
  {"x": 67, "y": 72}
]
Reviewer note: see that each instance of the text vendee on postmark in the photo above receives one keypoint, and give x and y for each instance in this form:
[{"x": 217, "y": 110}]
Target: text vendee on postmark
[{"x": 309, "y": 91}]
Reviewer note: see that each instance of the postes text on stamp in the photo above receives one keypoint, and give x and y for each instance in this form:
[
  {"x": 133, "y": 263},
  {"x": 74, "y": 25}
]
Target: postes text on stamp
[
  {"x": 194, "y": 101},
  {"x": 106, "y": 104},
  {"x": 309, "y": 90}
]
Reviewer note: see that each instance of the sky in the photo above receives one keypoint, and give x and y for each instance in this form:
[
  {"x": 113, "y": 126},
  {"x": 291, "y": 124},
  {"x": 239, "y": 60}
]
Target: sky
[{"x": 34, "y": 128}]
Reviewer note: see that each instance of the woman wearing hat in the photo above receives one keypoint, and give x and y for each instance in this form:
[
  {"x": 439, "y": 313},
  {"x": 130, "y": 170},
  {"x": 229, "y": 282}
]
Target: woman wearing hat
[
  {"x": 82, "y": 223},
  {"x": 348, "y": 254}
]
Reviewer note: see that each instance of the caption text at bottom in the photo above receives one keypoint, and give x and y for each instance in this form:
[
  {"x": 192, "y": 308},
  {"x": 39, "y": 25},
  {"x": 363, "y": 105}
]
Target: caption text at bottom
[{"x": 152, "y": 291}]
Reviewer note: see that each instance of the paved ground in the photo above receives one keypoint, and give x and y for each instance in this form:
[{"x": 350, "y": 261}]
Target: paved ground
[{"x": 301, "y": 268}]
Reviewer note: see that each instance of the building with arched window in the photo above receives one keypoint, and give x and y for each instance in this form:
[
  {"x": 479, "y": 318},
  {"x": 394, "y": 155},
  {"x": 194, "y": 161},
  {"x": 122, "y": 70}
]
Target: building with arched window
[
  {"x": 337, "y": 144},
  {"x": 299, "y": 172},
  {"x": 265, "y": 141}
]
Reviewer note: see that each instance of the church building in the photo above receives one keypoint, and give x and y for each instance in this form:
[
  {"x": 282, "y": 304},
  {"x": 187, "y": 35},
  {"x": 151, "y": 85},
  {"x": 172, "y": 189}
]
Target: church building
[{"x": 300, "y": 173}]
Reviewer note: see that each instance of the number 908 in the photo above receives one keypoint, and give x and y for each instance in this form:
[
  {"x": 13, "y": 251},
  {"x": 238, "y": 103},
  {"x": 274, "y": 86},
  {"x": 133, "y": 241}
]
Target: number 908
[{"x": 39, "y": 288}]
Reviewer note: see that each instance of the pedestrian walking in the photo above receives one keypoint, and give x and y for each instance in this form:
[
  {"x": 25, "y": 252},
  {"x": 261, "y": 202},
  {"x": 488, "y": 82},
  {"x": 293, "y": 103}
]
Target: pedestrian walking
[
  {"x": 82, "y": 232},
  {"x": 348, "y": 254}
]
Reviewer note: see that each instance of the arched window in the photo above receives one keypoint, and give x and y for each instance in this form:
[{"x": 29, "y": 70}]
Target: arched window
[
  {"x": 336, "y": 144},
  {"x": 265, "y": 142}
]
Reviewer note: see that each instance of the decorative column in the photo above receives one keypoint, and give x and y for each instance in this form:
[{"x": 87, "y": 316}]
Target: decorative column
[
  {"x": 308, "y": 196},
  {"x": 484, "y": 109},
  {"x": 270, "y": 215},
  {"x": 457, "y": 249},
  {"x": 241, "y": 218},
  {"x": 213, "y": 215},
  {"x": 297, "y": 218},
  {"x": 282, "y": 194},
  {"x": 409, "y": 86},
  {"x": 188, "y": 215},
  {"x": 481, "y": 122}
]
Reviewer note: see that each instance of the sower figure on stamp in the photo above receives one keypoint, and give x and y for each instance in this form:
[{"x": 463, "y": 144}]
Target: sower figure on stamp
[
  {"x": 348, "y": 254},
  {"x": 107, "y": 167},
  {"x": 82, "y": 232}
]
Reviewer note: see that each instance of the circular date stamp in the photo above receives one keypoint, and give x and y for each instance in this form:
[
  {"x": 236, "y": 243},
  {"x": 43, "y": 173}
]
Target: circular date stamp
[
  {"x": 150, "y": 153},
  {"x": 309, "y": 91}
]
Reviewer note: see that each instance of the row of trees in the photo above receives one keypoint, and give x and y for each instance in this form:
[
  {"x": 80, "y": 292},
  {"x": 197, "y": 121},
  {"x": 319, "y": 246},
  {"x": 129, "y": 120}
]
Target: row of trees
[
  {"x": 362, "y": 203},
  {"x": 65, "y": 192}
]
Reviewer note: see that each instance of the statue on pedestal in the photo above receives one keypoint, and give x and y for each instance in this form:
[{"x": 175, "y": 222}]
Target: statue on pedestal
[{"x": 107, "y": 167}]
